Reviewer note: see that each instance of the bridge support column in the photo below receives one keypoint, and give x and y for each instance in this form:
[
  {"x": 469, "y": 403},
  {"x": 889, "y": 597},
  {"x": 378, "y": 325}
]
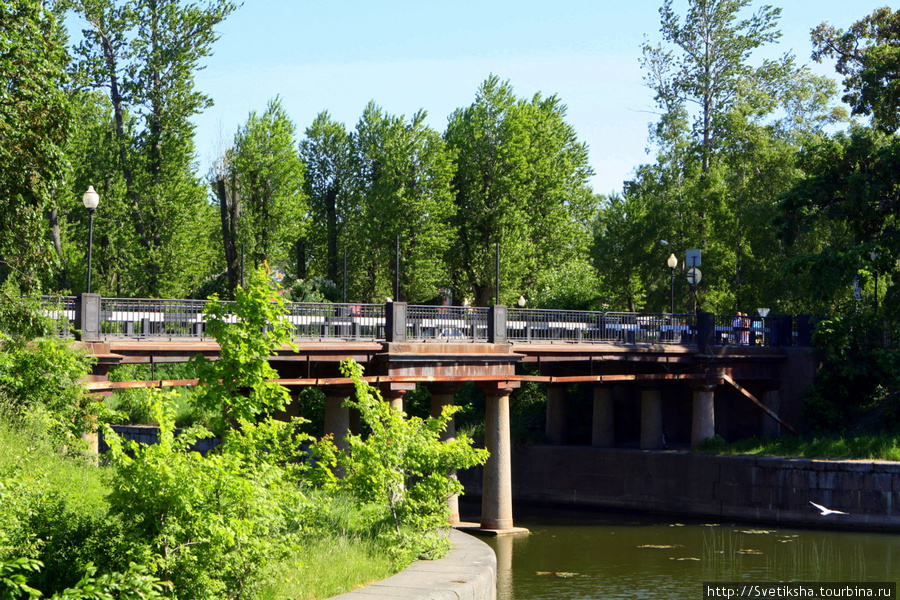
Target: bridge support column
[
  {"x": 556, "y": 414},
  {"x": 651, "y": 420},
  {"x": 394, "y": 398},
  {"x": 603, "y": 428},
  {"x": 441, "y": 397},
  {"x": 703, "y": 417},
  {"x": 337, "y": 416},
  {"x": 496, "y": 493},
  {"x": 771, "y": 427}
]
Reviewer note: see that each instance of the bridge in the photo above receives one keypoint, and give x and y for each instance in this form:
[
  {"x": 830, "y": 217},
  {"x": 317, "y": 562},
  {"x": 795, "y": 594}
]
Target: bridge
[{"x": 654, "y": 379}]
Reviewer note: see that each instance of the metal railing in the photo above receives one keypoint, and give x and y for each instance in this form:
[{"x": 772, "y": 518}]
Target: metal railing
[
  {"x": 62, "y": 310},
  {"x": 336, "y": 321},
  {"x": 142, "y": 318},
  {"x": 746, "y": 330},
  {"x": 152, "y": 318},
  {"x": 447, "y": 323}
]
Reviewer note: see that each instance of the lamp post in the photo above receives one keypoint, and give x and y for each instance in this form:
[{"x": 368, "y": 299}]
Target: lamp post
[
  {"x": 874, "y": 256},
  {"x": 672, "y": 262},
  {"x": 90, "y": 199}
]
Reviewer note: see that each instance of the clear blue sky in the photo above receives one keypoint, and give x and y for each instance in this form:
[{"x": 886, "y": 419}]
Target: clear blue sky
[{"x": 337, "y": 55}]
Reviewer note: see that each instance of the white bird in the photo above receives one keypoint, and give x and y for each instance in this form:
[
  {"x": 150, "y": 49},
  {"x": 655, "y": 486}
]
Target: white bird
[{"x": 827, "y": 511}]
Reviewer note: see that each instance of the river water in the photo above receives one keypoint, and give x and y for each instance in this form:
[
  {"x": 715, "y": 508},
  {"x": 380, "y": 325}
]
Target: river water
[{"x": 575, "y": 555}]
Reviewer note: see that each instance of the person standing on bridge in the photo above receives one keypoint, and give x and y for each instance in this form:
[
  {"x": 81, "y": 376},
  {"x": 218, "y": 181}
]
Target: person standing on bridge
[{"x": 736, "y": 323}]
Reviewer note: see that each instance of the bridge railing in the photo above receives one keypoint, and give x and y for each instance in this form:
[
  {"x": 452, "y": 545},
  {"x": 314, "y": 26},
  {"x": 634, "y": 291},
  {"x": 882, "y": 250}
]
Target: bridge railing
[
  {"x": 62, "y": 310},
  {"x": 98, "y": 318},
  {"x": 337, "y": 321},
  {"x": 536, "y": 325},
  {"x": 447, "y": 323},
  {"x": 143, "y": 318}
]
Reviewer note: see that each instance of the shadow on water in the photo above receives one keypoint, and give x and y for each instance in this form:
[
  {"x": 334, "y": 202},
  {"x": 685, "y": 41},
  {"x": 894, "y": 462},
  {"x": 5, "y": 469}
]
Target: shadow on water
[{"x": 579, "y": 554}]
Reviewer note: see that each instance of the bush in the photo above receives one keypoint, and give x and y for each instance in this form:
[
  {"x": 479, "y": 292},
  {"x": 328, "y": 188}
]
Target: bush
[
  {"x": 403, "y": 468},
  {"x": 215, "y": 526}
]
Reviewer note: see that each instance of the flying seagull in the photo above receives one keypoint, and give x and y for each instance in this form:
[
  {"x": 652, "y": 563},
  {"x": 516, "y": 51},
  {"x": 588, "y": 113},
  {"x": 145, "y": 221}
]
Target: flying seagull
[{"x": 827, "y": 511}]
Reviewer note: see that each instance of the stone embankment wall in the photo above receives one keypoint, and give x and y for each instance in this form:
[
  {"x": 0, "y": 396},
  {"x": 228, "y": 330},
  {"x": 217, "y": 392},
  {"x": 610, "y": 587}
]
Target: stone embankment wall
[
  {"x": 776, "y": 490},
  {"x": 468, "y": 572}
]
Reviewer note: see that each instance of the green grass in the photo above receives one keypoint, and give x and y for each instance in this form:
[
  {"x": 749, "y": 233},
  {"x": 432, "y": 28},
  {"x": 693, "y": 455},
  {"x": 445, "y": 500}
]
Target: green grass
[
  {"x": 331, "y": 565},
  {"x": 26, "y": 452},
  {"x": 879, "y": 446}
]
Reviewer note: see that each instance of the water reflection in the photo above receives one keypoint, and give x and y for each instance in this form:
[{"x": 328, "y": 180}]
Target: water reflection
[{"x": 583, "y": 554}]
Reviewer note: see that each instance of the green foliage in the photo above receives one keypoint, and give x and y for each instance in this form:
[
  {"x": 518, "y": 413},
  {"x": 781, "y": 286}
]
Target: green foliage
[
  {"x": 248, "y": 331},
  {"x": 144, "y": 54},
  {"x": 216, "y": 526},
  {"x": 868, "y": 58},
  {"x": 326, "y": 152},
  {"x": 521, "y": 182},
  {"x": 839, "y": 214},
  {"x": 314, "y": 289},
  {"x": 858, "y": 376},
  {"x": 42, "y": 375},
  {"x": 403, "y": 468},
  {"x": 34, "y": 124},
  {"x": 726, "y": 140},
  {"x": 133, "y": 584}
]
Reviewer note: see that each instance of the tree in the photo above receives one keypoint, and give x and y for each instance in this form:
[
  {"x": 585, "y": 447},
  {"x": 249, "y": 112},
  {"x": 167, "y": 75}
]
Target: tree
[
  {"x": 236, "y": 385},
  {"x": 726, "y": 141},
  {"x": 259, "y": 187},
  {"x": 145, "y": 53},
  {"x": 521, "y": 182},
  {"x": 34, "y": 124},
  {"x": 402, "y": 188},
  {"x": 843, "y": 210},
  {"x": 326, "y": 152},
  {"x": 868, "y": 56}
]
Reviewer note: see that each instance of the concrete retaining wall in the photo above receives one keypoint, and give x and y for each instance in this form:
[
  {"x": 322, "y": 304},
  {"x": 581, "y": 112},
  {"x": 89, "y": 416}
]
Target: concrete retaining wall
[
  {"x": 468, "y": 572},
  {"x": 776, "y": 490}
]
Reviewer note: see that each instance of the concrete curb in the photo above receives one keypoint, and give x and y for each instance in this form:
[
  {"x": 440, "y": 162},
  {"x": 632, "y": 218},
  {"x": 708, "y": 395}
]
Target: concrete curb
[{"x": 468, "y": 572}]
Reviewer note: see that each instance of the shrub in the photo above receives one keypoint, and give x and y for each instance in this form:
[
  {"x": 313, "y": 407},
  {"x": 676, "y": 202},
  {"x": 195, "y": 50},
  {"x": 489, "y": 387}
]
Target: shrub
[{"x": 403, "y": 468}]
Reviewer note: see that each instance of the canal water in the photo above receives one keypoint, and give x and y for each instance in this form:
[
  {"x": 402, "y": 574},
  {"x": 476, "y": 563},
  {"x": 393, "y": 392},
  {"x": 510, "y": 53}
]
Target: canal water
[{"x": 575, "y": 555}]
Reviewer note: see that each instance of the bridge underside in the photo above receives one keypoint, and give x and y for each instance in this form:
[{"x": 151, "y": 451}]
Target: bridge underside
[{"x": 652, "y": 396}]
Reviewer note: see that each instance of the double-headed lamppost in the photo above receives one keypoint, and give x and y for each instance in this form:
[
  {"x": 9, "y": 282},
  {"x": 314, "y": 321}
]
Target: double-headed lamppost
[
  {"x": 91, "y": 199},
  {"x": 672, "y": 262}
]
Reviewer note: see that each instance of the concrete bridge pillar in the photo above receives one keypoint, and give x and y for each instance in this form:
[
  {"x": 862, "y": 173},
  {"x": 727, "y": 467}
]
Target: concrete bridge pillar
[
  {"x": 337, "y": 416},
  {"x": 496, "y": 493},
  {"x": 393, "y": 393},
  {"x": 441, "y": 397},
  {"x": 603, "y": 430},
  {"x": 703, "y": 417},
  {"x": 771, "y": 427},
  {"x": 651, "y": 419},
  {"x": 556, "y": 414}
]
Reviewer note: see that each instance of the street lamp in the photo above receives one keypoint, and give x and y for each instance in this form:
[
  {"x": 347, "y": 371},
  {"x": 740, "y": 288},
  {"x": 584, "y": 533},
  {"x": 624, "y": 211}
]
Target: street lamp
[
  {"x": 874, "y": 256},
  {"x": 91, "y": 199},
  {"x": 672, "y": 262}
]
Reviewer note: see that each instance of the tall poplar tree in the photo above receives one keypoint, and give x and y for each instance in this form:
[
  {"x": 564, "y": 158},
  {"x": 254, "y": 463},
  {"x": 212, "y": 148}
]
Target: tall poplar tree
[
  {"x": 144, "y": 53},
  {"x": 326, "y": 153},
  {"x": 521, "y": 183},
  {"x": 402, "y": 171},
  {"x": 259, "y": 187}
]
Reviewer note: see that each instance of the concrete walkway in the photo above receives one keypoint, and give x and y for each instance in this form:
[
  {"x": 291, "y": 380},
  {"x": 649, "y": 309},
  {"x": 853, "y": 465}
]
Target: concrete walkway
[{"x": 468, "y": 572}]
